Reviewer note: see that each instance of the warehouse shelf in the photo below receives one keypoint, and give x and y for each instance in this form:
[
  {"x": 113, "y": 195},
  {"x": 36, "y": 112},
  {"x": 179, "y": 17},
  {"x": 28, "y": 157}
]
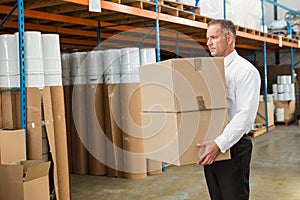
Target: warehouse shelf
[{"x": 77, "y": 27}]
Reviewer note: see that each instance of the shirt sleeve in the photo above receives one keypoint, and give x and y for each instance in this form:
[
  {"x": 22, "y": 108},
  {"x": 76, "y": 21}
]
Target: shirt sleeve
[{"x": 247, "y": 88}]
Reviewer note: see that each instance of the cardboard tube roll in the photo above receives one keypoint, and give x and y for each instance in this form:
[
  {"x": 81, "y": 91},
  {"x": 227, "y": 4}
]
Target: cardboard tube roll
[
  {"x": 79, "y": 133},
  {"x": 95, "y": 126}
]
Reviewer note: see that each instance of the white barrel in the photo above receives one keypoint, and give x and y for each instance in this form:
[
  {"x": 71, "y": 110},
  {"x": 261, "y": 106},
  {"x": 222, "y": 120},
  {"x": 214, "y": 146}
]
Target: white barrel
[
  {"x": 130, "y": 56},
  {"x": 51, "y": 46},
  {"x": 9, "y": 67},
  {"x": 279, "y": 117},
  {"x": 281, "y": 96},
  {"x": 94, "y": 63},
  {"x": 130, "y": 78},
  {"x": 33, "y": 44},
  {"x": 112, "y": 78},
  {"x": 111, "y": 61},
  {"x": 10, "y": 81},
  {"x": 8, "y": 47},
  {"x": 279, "y": 80},
  {"x": 94, "y": 80},
  {"x": 283, "y": 79},
  {"x": 79, "y": 80},
  {"x": 288, "y": 79},
  {"x": 147, "y": 56},
  {"x": 35, "y": 80},
  {"x": 274, "y": 88},
  {"x": 292, "y": 87},
  {"x": 53, "y": 79},
  {"x": 52, "y": 66},
  {"x": 78, "y": 64},
  {"x": 286, "y": 96},
  {"x": 286, "y": 88},
  {"x": 279, "y": 111},
  {"x": 280, "y": 88}
]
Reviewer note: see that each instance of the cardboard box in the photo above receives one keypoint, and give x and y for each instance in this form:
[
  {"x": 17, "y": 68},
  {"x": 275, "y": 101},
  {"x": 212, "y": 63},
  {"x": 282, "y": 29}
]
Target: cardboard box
[
  {"x": 12, "y": 146},
  {"x": 25, "y": 180},
  {"x": 173, "y": 137},
  {"x": 261, "y": 113},
  {"x": 178, "y": 85},
  {"x": 289, "y": 108}
]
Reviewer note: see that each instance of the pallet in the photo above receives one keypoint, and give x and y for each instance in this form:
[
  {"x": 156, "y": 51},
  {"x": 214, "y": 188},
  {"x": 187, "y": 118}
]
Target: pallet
[
  {"x": 285, "y": 122},
  {"x": 261, "y": 131}
]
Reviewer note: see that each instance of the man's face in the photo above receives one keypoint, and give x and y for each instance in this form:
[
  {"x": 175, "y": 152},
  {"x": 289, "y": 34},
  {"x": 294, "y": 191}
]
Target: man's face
[{"x": 216, "y": 42}]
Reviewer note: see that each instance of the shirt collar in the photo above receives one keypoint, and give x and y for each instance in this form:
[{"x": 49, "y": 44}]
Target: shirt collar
[{"x": 229, "y": 58}]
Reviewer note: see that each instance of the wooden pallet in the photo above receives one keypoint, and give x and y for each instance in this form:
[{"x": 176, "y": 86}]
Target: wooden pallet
[
  {"x": 285, "y": 122},
  {"x": 261, "y": 131}
]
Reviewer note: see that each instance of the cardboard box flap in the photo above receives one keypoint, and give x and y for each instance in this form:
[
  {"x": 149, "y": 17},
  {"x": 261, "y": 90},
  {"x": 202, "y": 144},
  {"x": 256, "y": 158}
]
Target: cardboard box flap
[
  {"x": 11, "y": 172},
  {"x": 35, "y": 169}
]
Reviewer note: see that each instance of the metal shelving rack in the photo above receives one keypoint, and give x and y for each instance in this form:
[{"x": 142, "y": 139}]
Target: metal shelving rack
[{"x": 71, "y": 19}]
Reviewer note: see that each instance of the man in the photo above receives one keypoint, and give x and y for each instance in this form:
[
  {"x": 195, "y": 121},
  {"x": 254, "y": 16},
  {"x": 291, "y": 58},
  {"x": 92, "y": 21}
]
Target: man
[{"x": 229, "y": 179}]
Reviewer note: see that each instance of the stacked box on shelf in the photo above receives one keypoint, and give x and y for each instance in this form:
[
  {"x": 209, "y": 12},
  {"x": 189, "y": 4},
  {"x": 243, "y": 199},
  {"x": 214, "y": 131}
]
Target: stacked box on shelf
[
  {"x": 261, "y": 112},
  {"x": 183, "y": 103}
]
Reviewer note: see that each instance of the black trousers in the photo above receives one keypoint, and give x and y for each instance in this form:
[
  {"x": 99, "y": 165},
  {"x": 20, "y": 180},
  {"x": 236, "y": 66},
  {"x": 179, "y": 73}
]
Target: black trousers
[{"x": 229, "y": 179}]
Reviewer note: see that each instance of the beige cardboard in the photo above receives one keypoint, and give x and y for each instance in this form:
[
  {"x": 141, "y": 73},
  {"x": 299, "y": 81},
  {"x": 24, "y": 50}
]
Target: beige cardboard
[
  {"x": 12, "y": 146},
  {"x": 96, "y": 129},
  {"x": 1, "y": 120},
  {"x": 114, "y": 144},
  {"x": 173, "y": 137},
  {"x": 289, "y": 108},
  {"x": 9, "y": 110},
  {"x": 179, "y": 85},
  {"x": 154, "y": 167},
  {"x": 79, "y": 136},
  {"x": 34, "y": 123},
  {"x": 25, "y": 180},
  {"x": 261, "y": 116},
  {"x": 60, "y": 134},
  {"x": 135, "y": 166},
  {"x": 48, "y": 118},
  {"x": 68, "y": 114}
]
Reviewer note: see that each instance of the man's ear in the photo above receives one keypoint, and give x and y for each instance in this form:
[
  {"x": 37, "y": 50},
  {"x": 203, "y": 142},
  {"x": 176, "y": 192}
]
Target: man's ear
[{"x": 230, "y": 38}]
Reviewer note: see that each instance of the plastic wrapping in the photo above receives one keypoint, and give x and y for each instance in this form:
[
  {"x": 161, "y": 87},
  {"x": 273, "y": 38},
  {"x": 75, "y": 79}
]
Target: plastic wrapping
[{"x": 242, "y": 12}]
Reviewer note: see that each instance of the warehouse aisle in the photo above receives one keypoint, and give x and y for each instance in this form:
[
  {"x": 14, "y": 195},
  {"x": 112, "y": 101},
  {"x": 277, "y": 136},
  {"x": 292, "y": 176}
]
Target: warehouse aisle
[{"x": 275, "y": 175}]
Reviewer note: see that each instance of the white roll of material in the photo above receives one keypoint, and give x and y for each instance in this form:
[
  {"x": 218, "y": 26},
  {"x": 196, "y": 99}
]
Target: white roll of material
[
  {"x": 130, "y": 78},
  {"x": 79, "y": 80},
  {"x": 112, "y": 78},
  {"x": 281, "y": 96},
  {"x": 78, "y": 64},
  {"x": 147, "y": 56},
  {"x": 130, "y": 56},
  {"x": 94, "y": 63},
  {"x": 280, "y": 88},
  {"x": 8, "y": 47},
  {"x": 10, "y": 81},
  {"x": 53, "y": 80},
  {"x": 66, "y": 65},
  {"x": 91, "y": 80},
  {"x": 35, "y": 80},
  {"x": 112, "y": 61}
]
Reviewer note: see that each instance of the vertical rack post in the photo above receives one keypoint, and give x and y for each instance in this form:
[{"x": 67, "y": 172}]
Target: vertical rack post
[
  {"x": 22, "y": 65},
  {"x": 98, "y": 36},
  {"x": 290, "y": 29},
  {"x": 224, "y": 8},
  {"x": 157, "y": 43},
  {"x": 265, "y": 69}
]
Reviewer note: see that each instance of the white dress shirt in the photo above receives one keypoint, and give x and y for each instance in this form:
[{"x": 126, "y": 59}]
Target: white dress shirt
[{"x": 243, "y": 87}]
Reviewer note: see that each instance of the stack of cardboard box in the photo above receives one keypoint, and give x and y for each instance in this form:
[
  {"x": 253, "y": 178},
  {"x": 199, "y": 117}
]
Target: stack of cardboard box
[
  {"x": 20, "y": 178},
  {"x": 183, "y": 103}
]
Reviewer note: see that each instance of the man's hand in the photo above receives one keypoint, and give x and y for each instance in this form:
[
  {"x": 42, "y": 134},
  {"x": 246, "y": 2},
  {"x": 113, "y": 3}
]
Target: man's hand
[{"x": 210, "y": 153}]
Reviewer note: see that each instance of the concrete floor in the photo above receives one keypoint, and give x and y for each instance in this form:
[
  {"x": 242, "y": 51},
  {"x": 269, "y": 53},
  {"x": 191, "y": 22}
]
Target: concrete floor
[{"x": 275, "y": 174}]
